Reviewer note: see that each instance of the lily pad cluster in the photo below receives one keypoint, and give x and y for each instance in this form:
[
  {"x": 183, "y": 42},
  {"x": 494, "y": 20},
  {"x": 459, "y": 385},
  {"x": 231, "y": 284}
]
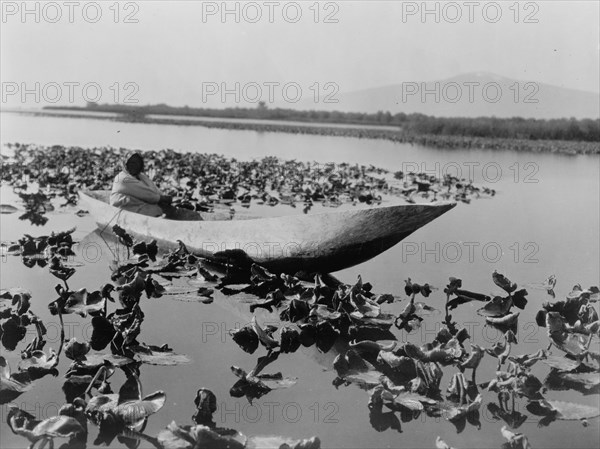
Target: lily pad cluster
[
  {"x": 87, "y": 387},
  {"x": 403, "y": 380},
  {"x": 211, "y": 183}
]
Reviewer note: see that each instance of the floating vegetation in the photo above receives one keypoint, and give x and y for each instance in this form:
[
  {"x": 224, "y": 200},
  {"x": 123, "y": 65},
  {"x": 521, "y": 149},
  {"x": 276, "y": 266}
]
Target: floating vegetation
[
  {"x": 402, "y": 380},
  {"x": 214, "y": 184}
]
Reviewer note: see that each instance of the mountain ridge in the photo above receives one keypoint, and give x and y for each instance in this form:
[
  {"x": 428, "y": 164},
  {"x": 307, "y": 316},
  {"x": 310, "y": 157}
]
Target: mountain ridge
[{"x": 491, "y": 95}]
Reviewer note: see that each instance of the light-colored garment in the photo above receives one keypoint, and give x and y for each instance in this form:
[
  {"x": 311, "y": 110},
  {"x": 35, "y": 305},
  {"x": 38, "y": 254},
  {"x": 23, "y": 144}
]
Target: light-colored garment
[{"x": 133, "y": 194}]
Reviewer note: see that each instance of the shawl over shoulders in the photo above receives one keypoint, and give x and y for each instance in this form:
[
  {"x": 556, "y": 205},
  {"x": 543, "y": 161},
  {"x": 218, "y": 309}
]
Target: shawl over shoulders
[{"x": 135, "y": 195}]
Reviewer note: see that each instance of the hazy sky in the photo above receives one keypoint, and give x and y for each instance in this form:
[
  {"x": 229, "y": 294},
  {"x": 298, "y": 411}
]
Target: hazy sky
[{"x": 177, "y": 50}]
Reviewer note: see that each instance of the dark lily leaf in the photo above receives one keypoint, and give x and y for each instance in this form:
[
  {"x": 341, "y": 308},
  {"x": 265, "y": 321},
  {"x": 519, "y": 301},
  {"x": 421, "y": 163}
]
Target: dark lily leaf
[
  {"x": 12, "y": 333},
  {"x": 573, "y": 344},
  {"x": 504, "y": 283},
  {"x": 290, "y": 340},
  {"x": 497, "y": 307},
  {"x": 58, "y": 269},
  {"x": 84, "y": 303},
  {"x": 591, "y": 294},
  {"x": 411, "y": 288},
  {"x": 76, "y": 385},
  {"x": 519, "y": 298},
  {"x": 132, "y": 291},
  {"x": 153, "y": 288},
  {"x": 308, "y": 334},
  {"x": 12, "y": 292},
  {"x": 24, "y": 424},
  {"x": 246, "y": 338},
  {"x": 38, "y": 364},
  {"x": 514, "y": 419},
  {"x": 457, "y": 412},
  {"x": 75, "y": 350},
  {"x": 21, "y": 302},
  {"x": 123, "y": 236},
  {"x": 326, "y": 336},
  {"x": 453, "y": 285},
  {"x": 103, "y": 332},
  {"x": 127, "y": 407},
  {"x": 265, "y": 339},
  {"x": 11, "y": 386},
  {"x": 457, "y": 301},
  {"x": 385, "y": 298},
  {"x": 298, "y": 310},
  {"x": 206, "y": 406},
  {"x": 528, "y": 360}
]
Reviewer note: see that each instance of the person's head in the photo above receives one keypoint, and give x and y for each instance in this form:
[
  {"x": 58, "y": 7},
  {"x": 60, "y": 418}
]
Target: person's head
[{"x": 134, "y": 163}]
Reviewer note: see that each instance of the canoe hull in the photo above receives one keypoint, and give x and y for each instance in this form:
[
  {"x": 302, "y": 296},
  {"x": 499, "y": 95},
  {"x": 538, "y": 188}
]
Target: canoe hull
[{"x": 324, "y": 242}]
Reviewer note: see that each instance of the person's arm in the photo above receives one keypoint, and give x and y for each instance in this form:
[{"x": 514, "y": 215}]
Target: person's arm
[{"x": 142, "y": 189}]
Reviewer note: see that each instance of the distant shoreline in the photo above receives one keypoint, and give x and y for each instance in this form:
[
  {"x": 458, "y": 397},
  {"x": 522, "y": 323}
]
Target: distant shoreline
[{"x": 352, "y": 130}]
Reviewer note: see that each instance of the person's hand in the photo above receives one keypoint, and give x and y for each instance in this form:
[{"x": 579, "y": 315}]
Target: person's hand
[{"x": 165, "y": 199}]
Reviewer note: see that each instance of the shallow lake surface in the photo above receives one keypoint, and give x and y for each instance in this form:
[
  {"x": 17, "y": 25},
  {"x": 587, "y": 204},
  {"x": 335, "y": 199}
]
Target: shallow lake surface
[{"x": 544, "y": 220}]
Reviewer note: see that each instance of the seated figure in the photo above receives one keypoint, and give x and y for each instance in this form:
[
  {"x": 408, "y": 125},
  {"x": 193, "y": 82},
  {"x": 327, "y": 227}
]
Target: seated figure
[{"x": 134, "y": 191}]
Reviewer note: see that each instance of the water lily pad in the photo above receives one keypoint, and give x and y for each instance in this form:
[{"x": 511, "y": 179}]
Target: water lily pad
[
  {"x": 265, "y": 339},
  {"x": 383, "y": 320},
  {"x": 278, "y": 442},
  {"x": 411, "y": 401},
  {"x": 365, "y": 380},
  {"x": 26, "y": 425},
  {"x": 153, "y": 355},
  {"x": 573, "y": 344},
  {"x": 364, "y": 306},
  {"x": 497, "y": 307},
  {"x": 503, "y": 282},
  {"x": 458, "y": 412},
  {"x": 276, "y": 381},
  {"x": 561, "y": 363},
  {"x": 127, "y": 407},
  {"x": 97, "y": 359},
  {"x": 80, "y": 302},
  {"x": 515, "y": 440},
  {"x": 11, "y": 387},
  {"x": 508, "y": 320},
  {"x": 38, "y": 362},
  {"x": 586, "y": 380},
  {"x": 75, "y": 349},
  {"x": 570, "y": 411},
  {"x": 191, "y": 437},
  {"x": 11, "y": 292},
  {"x": 322, "y": 312},
  {"x": 246, "y": 338}
]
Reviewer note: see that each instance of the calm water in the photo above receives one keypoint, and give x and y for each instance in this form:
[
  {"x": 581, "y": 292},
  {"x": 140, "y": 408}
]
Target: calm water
[{"x": 544, "y": 220}]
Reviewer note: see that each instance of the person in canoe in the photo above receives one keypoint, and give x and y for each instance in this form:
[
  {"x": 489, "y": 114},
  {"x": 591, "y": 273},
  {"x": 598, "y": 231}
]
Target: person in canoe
[{"x": 134, "y": 191}]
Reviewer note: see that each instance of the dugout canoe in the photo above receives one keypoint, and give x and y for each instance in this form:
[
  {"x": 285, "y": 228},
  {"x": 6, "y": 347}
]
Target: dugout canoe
[{"x": 323, "y": 242}]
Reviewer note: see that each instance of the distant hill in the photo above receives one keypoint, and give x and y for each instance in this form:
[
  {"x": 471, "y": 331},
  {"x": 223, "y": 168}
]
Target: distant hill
[{"x": 515, "y": 98}]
